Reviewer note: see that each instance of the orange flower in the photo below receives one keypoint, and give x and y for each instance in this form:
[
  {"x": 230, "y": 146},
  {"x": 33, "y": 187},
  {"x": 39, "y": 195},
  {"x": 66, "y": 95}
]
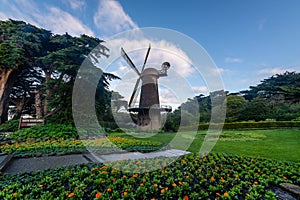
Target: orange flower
[
  {"x": 98, "y": 194},
  {"x": 135, "y": 175},
  {"x": 162, "y": 191},
  {"x": 76, "y": 188},
  {"x": 186, "y": 197},
  {"x": 40, "y": 186},
  {"x": 174, "y": 185},
  {"x": 226, "y": 194},
  {"x": 212, "y": 178},
  {"x": 71, "y": 194},
  {"x": 15, "y": 194},
  {"x": 155, "y": 185},
  {"x": 255, "y": 183},
  {"x": 180, "y": 183},
  {"x": 124, "y": 176},
  {"x": 124, "y": 193},
  {"x": 218, "y": 194},
  {"x": 141, "y": 185},
  {"x": 108, "y": 190}
]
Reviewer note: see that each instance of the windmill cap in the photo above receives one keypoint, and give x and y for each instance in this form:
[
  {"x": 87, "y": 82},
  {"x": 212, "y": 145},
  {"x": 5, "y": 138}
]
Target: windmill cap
[{"x": 166, "y": 64}]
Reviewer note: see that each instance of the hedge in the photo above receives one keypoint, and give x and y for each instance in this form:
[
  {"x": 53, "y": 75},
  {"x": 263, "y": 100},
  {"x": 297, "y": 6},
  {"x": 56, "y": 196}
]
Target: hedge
[
  {"x": 9, "y": 126},
  {"x": 252, "y": 125}
]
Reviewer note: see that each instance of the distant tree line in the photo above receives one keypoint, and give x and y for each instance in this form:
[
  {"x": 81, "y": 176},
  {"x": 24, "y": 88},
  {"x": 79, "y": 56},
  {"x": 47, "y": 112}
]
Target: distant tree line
[
  {"x": 275, "y": 98},
  {"x": 38, "y": 70}
]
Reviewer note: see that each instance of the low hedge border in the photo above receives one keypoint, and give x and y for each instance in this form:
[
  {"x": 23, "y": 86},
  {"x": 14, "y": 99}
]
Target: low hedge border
[{"x": 252, "y": 125}]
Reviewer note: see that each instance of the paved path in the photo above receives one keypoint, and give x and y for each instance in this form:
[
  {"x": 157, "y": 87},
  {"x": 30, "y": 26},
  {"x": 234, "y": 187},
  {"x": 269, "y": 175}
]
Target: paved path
[{"x": 20, "y": 165}]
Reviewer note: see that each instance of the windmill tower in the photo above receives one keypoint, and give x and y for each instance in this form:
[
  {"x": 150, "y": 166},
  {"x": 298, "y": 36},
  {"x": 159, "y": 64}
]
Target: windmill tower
[{"x": 149, "y": 109}]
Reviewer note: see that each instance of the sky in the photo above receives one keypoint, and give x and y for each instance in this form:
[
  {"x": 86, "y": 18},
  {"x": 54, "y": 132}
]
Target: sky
[{"x": 248, "y": 40}]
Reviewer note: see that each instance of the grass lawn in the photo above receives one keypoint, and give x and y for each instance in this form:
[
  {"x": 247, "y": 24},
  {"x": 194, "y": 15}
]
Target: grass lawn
[{"x": 278, "y": 144}]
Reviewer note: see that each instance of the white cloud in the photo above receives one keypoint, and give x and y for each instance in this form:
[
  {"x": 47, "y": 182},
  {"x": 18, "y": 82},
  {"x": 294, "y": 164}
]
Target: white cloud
[
  {"x": 51, "y": 18},
  {"x": 60, "y": 22},
  {"x": 161, "y": 51},
  {"x": 166, "y": 96},
  {"x": 218, "y": 70},
  {"x": 233, "y": 60},
  {"x": 76, "y": 4},
  {"x": 111, "y": 18},
  {"x": 3, "y": 16},
  {"x": 273, "y": 71},
  {"x": 261, "y": 24},
  {"x": 200, "y": 89}
]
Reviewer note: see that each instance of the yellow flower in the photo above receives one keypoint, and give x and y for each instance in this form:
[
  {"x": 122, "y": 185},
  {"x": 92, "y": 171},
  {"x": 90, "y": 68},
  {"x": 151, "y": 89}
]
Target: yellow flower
[{"x": 71, "y": 194}]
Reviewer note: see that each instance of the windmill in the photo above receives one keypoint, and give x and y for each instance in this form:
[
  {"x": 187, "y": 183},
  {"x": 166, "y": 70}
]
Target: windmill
[{"x": 149, "y": 109}]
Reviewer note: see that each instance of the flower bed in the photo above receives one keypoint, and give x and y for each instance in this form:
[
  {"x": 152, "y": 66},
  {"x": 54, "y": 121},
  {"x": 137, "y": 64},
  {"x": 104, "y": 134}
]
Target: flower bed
[
  {"x": 37, "y": 147},
  {"x": 215, "y": 176}
]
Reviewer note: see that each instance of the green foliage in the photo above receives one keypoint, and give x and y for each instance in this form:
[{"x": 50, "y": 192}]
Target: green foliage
[
  {"x": 234, "y": 108},
  {"x": 9, "y": 126},
  {"x": 33, "y": 147},
  {"x": 215, "y": 176},
  {"x": 286, "y": 85},
  {"x": 253, "y": 125},
  {"x": 275, "y": 98},
  {"x": 46, "y": 131}
]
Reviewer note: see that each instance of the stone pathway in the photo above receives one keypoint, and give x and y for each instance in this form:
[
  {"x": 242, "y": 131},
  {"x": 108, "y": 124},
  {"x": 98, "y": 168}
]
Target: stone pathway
[{"x": 21, "y": 165}]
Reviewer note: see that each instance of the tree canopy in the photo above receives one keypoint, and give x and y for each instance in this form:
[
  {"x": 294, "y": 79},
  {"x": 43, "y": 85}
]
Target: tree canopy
[{"x": 38, "y": 70}]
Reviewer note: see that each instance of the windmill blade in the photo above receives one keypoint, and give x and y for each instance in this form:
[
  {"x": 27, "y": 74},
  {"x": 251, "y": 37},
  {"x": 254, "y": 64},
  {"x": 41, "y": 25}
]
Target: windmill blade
[
  {"x": 128, "y": 60},
  {"x": 134, "y": 91},
  {"x": 146, "y": 57}
]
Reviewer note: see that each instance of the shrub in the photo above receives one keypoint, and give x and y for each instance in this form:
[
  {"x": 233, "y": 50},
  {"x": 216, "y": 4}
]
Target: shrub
[
  {"x": 9, "y": 126},
  {"x": 46, "y": 131},
  {"x": 254, "y": 125}
]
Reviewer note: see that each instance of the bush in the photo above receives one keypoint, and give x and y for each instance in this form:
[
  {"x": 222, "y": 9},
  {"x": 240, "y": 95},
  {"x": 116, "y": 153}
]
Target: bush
[
  {"x": 254, "y": 125},
  {"x": 46, "y": 131},
  {"x": 9, "y": 126}
]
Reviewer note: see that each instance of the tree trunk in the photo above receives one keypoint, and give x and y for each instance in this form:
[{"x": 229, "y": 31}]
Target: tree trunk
[
  {"x": 48, "y": 92},
  {"x": 6, "y": 83},
  {"x": 38, "y": 103},
  {"x": 20, "y": 106}
]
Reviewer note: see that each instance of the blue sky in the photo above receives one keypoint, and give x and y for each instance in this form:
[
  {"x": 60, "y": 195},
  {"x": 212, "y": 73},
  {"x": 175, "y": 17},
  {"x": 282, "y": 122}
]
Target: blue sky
[{"x": 247, "y": 40}]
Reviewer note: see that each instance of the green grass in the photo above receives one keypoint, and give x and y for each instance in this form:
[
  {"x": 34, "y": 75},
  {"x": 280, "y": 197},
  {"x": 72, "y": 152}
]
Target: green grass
[{"x": 277, "y": 144}]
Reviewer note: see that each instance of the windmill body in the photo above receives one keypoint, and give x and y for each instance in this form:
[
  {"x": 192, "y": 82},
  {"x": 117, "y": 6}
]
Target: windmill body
[{"x": 149, "y": 109}]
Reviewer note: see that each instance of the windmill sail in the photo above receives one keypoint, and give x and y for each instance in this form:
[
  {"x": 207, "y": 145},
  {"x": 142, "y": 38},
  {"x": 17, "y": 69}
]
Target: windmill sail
[
  {"x": 146, "y": 58},
  {"x": 128, "y": 60},
  {"x": 134, "y": 91}
]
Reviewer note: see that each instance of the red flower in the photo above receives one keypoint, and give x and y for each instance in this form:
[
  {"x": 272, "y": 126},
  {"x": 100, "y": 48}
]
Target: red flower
[{"x": 98, "y": 194}]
